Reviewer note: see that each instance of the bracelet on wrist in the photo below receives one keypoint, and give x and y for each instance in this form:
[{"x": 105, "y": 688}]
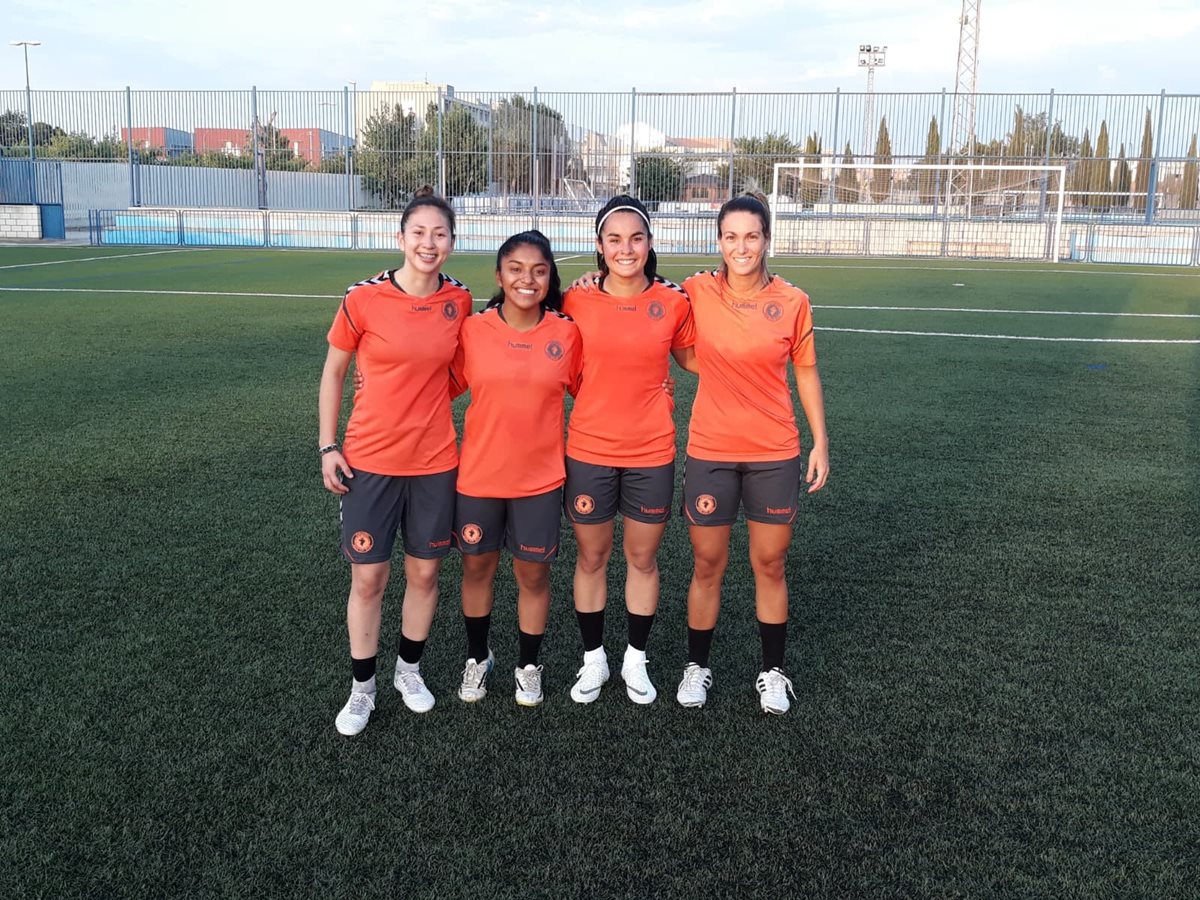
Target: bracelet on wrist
[{"x": 328, "y": 448}]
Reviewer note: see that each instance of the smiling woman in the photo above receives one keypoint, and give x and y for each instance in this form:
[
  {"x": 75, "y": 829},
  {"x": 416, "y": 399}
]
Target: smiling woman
[
  {"x": 743, "y": 443},
  {"x": 518, "y": 357},
  {"x": 396, "y": 471}
]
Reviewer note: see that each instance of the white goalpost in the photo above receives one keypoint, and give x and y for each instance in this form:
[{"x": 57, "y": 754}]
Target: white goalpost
[{"x": 992, "y": 211}]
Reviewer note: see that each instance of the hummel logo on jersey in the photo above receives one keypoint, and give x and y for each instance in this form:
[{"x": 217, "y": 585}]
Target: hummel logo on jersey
[
  {"x": 525, "y": 549},
  {"x": 782, "y": 511},
  {"x": 625, "y": 307},
  {"x": 416, "y": 308},
  {"x": 518, "y": 345},
  {"x": 744, "y": 305}
]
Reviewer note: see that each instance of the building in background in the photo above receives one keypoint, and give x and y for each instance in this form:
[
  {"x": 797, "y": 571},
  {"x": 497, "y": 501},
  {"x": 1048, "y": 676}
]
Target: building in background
[{"x": 159, "y": 139}]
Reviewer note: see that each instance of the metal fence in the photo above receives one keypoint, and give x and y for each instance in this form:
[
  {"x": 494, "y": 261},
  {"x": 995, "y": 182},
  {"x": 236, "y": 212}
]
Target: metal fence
[{"x": 1129, "y": 157}]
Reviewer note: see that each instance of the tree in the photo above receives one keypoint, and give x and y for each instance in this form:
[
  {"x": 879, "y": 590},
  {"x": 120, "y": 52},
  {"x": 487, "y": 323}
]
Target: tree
[
  {"x": 464, "y": 146},
  {"x": 389, "y": 161},
  {"x": 334, "y": 164},
  {"x": 1121, "y": 179},
  {"x": 927, "y": 179},
  {"x": 512, "y": 145},
  {"x": 810, "y": 186},
  {"x": 1100, "y": 171},
  {"x": 881, "y": 179},
  {"x": 847, "y": 180},
  {"x": 754, "y": 159},
  {"x": 1187, "y": 187},
  {"x": 659, "y": 177},
  {"x": 1081, "y": 174},
  {"x": 276, "y": 149},
  {"x": 1141, "y": 182},
  {"x": 1016, "y": 150}
]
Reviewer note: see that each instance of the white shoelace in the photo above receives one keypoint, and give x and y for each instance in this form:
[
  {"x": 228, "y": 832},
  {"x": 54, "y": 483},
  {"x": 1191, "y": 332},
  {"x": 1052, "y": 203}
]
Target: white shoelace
[
  {"x": 694, "y": 678},
  {"x": 361, "y": 702},
  {"x": 593, "y": 674},
  {"x": 412, "y": 682},
  {"x": 473, "y": 673},
  {"x": 530, "y": 680},
  {"x": 776, "y": 682}
]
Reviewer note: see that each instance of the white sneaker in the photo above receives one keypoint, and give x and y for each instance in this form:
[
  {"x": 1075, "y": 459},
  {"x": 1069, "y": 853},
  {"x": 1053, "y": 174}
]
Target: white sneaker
[
  {"x": 412, "y": 688},
  {"x": 475, "y": 678},
  {"x": 773, "y": 688},
  {"x": 592, "y": 677},
  {"x": 637, "y": 680},
  {"x": 529, "y": 686},
  {"x": 355, "y": 714},
  {"x": 693, "y": 689}
]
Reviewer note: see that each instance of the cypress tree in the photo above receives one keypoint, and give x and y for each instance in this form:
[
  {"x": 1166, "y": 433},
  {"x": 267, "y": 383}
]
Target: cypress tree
[
  {"x": 1081, "y": 176},
  {"x": 927, "y": 180},
  {"x": 1120, "y": 183},
  {"x": 847, "y": 180},
  {"x": 1187, "y": 188},
  {"x": 881, "y": 180},
  {"x": 1141, "y": 182},
  {"x": 1100, "y": 181}
]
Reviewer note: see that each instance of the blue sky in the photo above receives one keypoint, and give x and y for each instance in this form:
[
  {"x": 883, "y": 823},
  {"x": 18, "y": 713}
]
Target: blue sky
[{"x": 768, "y": 45}]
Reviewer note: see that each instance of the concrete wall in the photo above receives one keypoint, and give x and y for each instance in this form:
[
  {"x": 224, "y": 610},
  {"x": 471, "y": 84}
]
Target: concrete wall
[{"x": 20, "y": 222}]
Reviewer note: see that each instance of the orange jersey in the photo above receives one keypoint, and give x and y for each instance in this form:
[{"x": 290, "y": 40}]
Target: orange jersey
[
  {"x": 512, "y": 442},
  {"x": 622, "y": 416},
  {"x": 404, "y": 345},
  {"x": 743, "y": 409}
]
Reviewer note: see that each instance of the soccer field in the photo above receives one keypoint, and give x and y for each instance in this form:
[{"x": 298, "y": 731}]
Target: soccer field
[{"x": 993, "y": 638}]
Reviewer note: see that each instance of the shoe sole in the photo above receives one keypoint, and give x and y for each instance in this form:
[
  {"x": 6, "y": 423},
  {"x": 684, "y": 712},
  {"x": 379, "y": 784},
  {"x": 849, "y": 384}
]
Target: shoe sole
[
  {"x": 345, "y": 733},
  {"x": 691, "y": 705},
  {"x": 529, "y": 703},
  {"x": 417, "y": 709},
  {"x": 471, "y": 699},
  {"x": 772, "y": 711}
]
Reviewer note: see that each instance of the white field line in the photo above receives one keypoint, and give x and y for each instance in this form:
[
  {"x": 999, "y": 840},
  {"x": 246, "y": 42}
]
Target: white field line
[
  {"x": 60, "y": 262},
  {"x": 1061, "y": 271},
  {"x": 1015, "y": 312},
  {"x": 565, "y": 258},
  {"x": 1012, "y": 337},
  {"x": 996, "y": 337},
  {"x": 55, "y": 290}
]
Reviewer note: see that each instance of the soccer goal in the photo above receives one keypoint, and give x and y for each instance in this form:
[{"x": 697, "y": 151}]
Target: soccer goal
[{"x": 988, "y": 211}]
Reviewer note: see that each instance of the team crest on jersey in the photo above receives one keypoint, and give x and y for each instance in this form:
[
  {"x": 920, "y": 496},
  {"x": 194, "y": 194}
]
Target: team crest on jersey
[
  {"x": 773, "y": 311},
  {"x": 450, "y": 310},
  {"x": 706, "y": 504},
  {"x": 362, "y": 542},
  {"x": 471, "y": 534},
  {"x": 656, "y": 310},
  {"x": 554, "y": 350},
  {"x": 584, "y": 504}
]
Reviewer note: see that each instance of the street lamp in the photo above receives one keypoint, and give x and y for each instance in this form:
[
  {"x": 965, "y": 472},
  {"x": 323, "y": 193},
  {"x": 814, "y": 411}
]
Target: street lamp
[{"x": 25, "y": 45}]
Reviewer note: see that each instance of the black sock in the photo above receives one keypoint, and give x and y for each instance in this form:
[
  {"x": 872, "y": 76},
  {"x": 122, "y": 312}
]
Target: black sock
[
  {"x": 773, "y": 639},
  {"x": 529, "y": 646},
  {"x": 477, "y": 636},
  {"x": 410, "y": 650},
  {"x": 639, "y": 630},
  {"x": 699, "y": 643},
  {"x": 363, "y": 669},
  {"x": 591, "y": 629}
]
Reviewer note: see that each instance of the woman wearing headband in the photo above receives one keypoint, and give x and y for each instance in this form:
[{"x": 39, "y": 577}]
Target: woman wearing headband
[
  {"x": 743, "y": 443},
  {"x": 621, "y": 437}
]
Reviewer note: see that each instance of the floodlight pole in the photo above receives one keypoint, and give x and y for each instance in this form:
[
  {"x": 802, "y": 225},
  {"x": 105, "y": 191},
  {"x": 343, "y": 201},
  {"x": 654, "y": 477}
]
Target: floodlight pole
[
  {"x": 25, "y": 45},
  {"x": 870, "y": 56}
]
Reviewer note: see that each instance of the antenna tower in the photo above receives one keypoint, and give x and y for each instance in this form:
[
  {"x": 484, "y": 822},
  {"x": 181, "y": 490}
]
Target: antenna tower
[{"x": 962, "y": 135}]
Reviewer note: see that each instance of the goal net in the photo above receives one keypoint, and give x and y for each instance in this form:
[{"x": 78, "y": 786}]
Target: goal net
[{"x": 918, "y": 209}]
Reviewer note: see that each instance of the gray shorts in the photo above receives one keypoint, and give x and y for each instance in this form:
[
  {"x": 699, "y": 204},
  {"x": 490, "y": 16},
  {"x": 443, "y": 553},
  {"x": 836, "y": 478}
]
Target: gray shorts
[
  {"x": 768, "y": 491},
  {"x": 420, "y": 507},
  {"x": 595, "y": 494},
  {"x": 527, "y": 526}
]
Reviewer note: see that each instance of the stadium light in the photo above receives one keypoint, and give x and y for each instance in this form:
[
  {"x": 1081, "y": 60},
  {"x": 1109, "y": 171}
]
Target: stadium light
[
  {"x": 870, "y": 57},
  {"x": 25, "y": 45}
]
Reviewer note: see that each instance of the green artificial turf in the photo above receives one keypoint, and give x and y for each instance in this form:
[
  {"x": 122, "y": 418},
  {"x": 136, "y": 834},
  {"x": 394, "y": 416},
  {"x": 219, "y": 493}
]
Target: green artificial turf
[{"x": 993, "y": 632}]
